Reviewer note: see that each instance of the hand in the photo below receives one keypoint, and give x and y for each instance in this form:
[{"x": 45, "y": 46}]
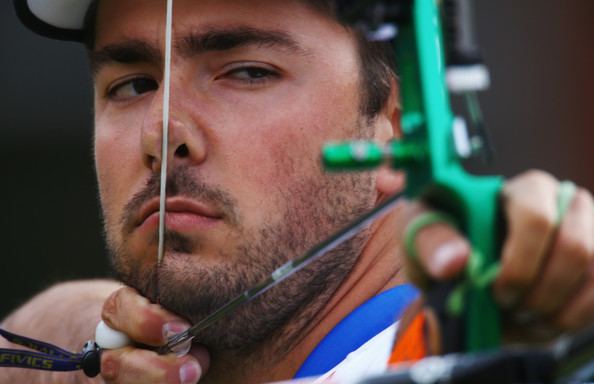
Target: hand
[
  {"x": 148, "y": 324},
  {"x": 553, "y": 289},
  {"x": 547, "y": 270}
]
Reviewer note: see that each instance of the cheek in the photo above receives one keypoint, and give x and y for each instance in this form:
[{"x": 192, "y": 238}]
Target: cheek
[
  {"x": 273, "y": 146},
  {"x": 106, "y": 177},
  {"x": 116, "y": 162},
  {"x": 286, "y": 134},
  {"x": 273, "y": 154}
]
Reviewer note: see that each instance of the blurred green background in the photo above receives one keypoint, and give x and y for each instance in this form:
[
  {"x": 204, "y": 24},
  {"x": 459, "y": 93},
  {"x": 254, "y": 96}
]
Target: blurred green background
[{"x": 540, "y": 112}]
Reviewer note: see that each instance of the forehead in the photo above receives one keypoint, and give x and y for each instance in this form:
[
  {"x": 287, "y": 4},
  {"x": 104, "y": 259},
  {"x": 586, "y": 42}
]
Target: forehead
[{"x": 145, "y": 19}]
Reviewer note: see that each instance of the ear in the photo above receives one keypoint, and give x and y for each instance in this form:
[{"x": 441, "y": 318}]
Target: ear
[
  {"x": 389, "y": 181},
  {"x": 389, "y": 118}
]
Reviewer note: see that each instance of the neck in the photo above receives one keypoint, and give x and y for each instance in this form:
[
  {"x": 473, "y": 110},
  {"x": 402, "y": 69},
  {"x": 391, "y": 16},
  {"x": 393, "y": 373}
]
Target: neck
[{"x": 378, "y": 268}]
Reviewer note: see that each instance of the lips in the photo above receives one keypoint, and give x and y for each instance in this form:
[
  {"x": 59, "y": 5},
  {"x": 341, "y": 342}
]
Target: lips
[{"x": 179, "y": 211}]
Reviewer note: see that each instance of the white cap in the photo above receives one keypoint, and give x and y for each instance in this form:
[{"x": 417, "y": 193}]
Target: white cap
[{"x": 58, "y": 19}]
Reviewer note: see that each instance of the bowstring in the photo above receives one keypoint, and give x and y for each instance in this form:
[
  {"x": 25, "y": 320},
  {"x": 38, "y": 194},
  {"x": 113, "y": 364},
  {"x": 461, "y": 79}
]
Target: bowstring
[{"x": 165, "y": 136}]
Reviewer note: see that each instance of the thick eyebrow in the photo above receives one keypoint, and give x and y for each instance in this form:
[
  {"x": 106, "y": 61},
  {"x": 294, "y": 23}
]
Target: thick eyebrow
[
  {"x": 127, "y": 52},
  {"x": 222, "y": 39},
  {"x": 213, "y": 39}
]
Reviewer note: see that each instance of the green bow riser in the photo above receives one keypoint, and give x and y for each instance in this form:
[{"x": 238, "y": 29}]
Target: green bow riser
[{"x": 435, "y": 173}]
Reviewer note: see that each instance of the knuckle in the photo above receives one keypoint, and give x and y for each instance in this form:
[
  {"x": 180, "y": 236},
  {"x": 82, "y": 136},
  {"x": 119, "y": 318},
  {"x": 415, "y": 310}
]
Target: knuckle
[
  {"x": 574, "y": 249},
  {"x": 126, "y": 313},
  {"x": 538, "y": 222},
  {"x": 149, "y": 325},
  {"x": 110, "y": 306},
  {"x": 583, "y": 197},
  {"x": 165, "y": 369},
  {"x": 534, "y": 177},
  {"x": 539, "y": 177},
  {"x": 110, "y": 367},
  {"x": 516, "y": 279},
  {"x": 138, "y": 366}
]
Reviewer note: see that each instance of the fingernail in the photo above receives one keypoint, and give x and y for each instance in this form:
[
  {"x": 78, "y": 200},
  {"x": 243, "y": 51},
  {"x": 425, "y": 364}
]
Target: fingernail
[
  {"x": 190, "y": 372},
  {"x": 173, "y": 328},
  {"x": 444, "y": 257}
]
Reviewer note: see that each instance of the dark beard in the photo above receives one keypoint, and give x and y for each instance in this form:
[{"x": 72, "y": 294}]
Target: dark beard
[{"x": 194, "y": 289}]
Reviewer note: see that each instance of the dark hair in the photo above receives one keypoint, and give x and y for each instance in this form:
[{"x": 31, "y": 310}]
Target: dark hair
[
  {"x": 377, "y": 74},
  {"x": 376, "y": 58},
  {"x": 90, "y": 25}
]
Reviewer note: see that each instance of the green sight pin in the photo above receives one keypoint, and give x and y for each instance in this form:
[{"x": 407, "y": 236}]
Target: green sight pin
[
  {"x": 352, "y": 155},
  {"x": 367, "y": 155}
]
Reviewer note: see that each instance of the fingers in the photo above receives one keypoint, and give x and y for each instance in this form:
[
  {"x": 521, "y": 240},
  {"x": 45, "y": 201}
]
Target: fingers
[
  {"x": 147, "y": 323},
  {"x": 441, "y": 251},
  {"x": 571, "y": 254},
  {"x": 579, "y": 312},
  {"x": 530, "y": 207},
  {"x": 547, "y": 272},
  {"x": 130, "y": 366},
  {"x": 144, "y": 322},
  {"x": 547, "y": 266}
]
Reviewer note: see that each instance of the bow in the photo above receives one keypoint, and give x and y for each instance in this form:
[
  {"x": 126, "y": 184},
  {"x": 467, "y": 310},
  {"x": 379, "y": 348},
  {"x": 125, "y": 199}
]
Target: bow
[{"x": 433, "y": 147}]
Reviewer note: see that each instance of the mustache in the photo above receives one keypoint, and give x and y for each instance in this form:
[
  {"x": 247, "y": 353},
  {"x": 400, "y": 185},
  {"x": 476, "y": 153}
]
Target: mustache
[{"x": 180, "y": 182}]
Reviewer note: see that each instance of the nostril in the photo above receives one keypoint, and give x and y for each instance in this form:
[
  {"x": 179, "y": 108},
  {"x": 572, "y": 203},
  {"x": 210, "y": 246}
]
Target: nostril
[{"x": 182, "y": 151}]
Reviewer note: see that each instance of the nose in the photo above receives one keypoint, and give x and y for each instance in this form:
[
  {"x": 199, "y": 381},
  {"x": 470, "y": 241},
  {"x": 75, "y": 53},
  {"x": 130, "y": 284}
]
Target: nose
[{"x": 186, "y": 141}]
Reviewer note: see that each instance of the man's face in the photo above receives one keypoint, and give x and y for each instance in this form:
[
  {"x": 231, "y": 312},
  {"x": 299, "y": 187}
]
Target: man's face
[{"x": 257, "y": 87}]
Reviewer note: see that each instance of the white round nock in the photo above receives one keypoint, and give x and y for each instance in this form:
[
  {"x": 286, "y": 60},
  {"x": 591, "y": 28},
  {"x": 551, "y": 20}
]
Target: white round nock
[{"x": 109, "y": 338}]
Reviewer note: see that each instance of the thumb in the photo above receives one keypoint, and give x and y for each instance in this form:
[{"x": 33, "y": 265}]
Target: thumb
[{"x": 436, "y": 251}]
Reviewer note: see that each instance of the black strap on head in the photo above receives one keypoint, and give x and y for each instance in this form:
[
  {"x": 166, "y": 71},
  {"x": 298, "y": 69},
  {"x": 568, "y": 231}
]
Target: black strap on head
[
  {"x": 377, "y": 20},
  {"x": 372, "y": 13}
]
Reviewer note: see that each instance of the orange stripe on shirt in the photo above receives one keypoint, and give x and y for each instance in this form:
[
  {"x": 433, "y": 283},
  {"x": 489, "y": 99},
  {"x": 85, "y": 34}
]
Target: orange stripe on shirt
[{"x": 411, "y": 345}]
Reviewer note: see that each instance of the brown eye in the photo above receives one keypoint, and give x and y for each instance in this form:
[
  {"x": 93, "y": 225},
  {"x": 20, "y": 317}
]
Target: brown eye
[
  {"x": 251, "y": 73},
  {"x": 132, "y": 88}
]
